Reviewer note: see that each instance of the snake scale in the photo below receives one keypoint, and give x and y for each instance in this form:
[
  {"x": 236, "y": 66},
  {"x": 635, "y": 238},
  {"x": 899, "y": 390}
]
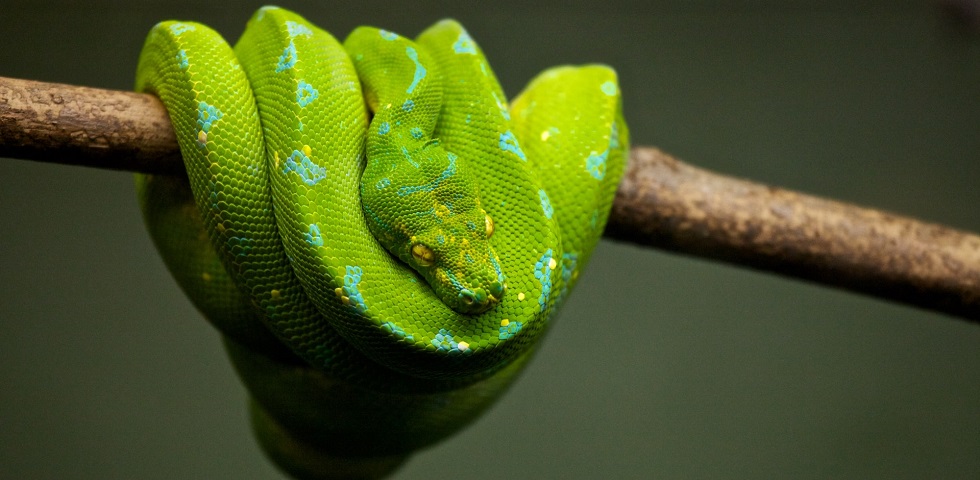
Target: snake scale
[{"x": 378, "y": 235}]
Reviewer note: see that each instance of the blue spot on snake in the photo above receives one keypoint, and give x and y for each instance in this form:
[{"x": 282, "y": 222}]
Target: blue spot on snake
[
  {"x": 409, "y": 158},
  {"x": 614, "y": 136},
  {"x": 546, "y": 204},
  {"x": 448, "y": 172},
  {"x": 542, "y": 271},
  {"x": 453, "y": 280},
  {"x": 569, "y": 262},
  {"x": 496, "y": 268},
  {"x": 310, "y": 172},
  {"x": 351, "y": 279},
  {"x": 305, "y": 93},
  {"x": 502, "y": 106},
  {"x": 287, "y": 59},
  {"x": 384, "y": 128},
  {"x": 252, "y": 169},
  {"x": 464, "y": 44},
  {"x": 179, "y": 28},
  {"x": 207, "y": 115},
  {"x": 416, "y": 133},
  {"x": 419, "y": 69},
  {"x": 508, "y": 331},
  {"x": 444, "y": 341},
  {"x": 384, "y": 182},
  {"x": 295, "y": 29},
  {"x": 408, "y": 105},
  {"x": 313, "y": 237},
  {"x": 240, "y": 246},
  {"x": 594, "y": 219},
  {"x": 508, "y": 143},
  {"x": 388, "y": 35},
  {"x": 441, "y": 239},
  {"x": 596, "y": 164},
  {"x": 182, "y": 60},
  {"x": 395, "y": 330},
  {"x": 609, "y": 88}
]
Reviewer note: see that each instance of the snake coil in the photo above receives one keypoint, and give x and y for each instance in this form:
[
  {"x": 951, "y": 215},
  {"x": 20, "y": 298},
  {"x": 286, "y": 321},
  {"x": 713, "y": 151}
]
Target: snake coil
[{"x": 379, "y": 237}]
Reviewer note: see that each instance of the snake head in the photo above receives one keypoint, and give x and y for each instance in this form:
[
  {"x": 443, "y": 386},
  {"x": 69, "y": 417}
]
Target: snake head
[
  {"x": 430, "y": 217},
  {"x": 456, "y": 259}
]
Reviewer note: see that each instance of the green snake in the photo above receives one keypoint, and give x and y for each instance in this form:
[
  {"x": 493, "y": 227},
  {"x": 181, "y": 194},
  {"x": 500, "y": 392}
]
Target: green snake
[{"x": 381, "y": 239}]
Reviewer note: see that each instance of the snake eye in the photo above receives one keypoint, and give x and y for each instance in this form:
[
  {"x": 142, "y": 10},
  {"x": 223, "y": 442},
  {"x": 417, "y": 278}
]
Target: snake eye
[
  {"x": 489, "y": 226},
  {"x": 423, "y": 254}
]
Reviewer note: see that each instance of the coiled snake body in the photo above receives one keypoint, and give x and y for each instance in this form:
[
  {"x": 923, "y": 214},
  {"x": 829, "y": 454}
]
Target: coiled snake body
[{"x": 379, "y": 237}]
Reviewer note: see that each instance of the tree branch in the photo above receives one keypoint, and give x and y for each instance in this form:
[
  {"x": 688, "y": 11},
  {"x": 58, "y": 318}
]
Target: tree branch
[{"x": 661, "y": 203}]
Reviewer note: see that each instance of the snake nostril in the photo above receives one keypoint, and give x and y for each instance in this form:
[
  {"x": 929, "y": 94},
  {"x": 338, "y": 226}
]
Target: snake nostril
[
  {"x": 496, "y": 290},
  {"x": 467, "y": 296},
  {"x": 481, "y": 296}
]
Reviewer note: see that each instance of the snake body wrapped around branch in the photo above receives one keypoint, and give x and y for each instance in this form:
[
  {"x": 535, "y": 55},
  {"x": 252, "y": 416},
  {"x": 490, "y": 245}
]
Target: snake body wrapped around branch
[{"x": 381, "y": 239}]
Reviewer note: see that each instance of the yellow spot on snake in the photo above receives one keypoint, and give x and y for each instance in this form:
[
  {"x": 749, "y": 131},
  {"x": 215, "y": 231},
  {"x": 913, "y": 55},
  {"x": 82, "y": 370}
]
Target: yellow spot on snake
[
  {"x": 307, "y": 150},
  {"x": 442, "y": 210},
  {"x": 504, "y": 322},
  {"x": 552, "y": 264},
  {"x": 345, "y": 299},
  {"x": 520, "y": 296},
  {"x": 545, "y": 135},
  {"x": 276, "y": 155},
  {"x": 339, "y": 292},
  {"x": 462, "y": 346},
  {"x": 206, "y": 277},
  {"x": 275, "y": 294}
]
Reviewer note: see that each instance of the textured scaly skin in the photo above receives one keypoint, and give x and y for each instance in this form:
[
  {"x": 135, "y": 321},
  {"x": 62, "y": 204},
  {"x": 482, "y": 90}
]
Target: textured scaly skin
[{"x": 378, "y": 284}]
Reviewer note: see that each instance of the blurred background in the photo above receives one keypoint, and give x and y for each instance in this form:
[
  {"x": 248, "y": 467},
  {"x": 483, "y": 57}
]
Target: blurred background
[{"x": 699, "y": 369}]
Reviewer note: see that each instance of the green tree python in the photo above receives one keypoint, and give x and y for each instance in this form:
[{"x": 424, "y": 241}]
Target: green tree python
[{"x": 378, "y": 235}]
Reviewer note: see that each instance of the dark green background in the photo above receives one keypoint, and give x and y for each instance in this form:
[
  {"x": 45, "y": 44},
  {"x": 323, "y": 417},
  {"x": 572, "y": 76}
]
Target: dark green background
[{"x": 661, "y": 366}]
